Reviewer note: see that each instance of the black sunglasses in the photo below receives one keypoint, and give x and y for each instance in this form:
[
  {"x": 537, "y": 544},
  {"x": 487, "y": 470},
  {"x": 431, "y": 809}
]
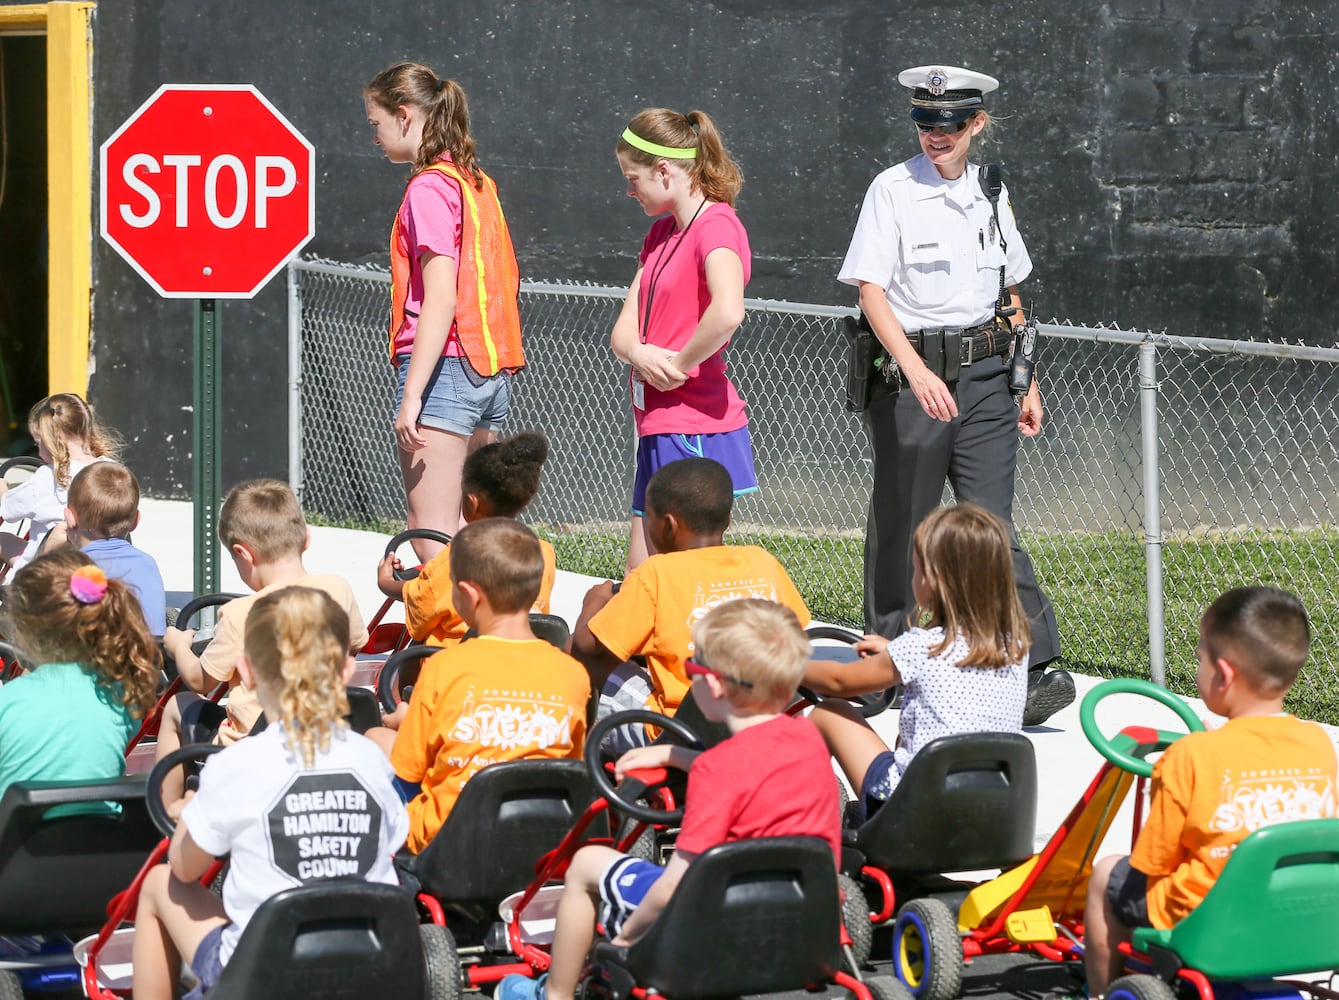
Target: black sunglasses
[{"x": 956, "y": 127}]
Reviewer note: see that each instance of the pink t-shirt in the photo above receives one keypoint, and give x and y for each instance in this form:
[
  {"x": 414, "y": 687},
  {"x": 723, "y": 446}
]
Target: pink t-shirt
[
  {"x": 429, "y": 220},
  {"x": 774, "y": 779},
  {"x": 674, "y": 282}
]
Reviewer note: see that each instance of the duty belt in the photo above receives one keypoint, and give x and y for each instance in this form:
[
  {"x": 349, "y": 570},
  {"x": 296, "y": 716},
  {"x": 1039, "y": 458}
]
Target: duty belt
[{"x": 947, "y": 349}]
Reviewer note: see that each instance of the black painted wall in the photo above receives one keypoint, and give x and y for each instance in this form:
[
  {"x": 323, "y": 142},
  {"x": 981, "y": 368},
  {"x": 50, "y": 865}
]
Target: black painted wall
[{"x": 1171, "y": 161}]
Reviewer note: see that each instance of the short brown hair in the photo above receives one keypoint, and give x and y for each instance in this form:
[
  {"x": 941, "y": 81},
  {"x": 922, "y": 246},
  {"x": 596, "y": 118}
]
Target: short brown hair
[
  {"x": 698, "y": 491},
  {"x": 104, "y": 497},
  {"x": 755, "y": 640},
  {"x": 1263, "y": 631},
  {"x": 265, "y": 516},
  {"x": 502, "y": 558}
]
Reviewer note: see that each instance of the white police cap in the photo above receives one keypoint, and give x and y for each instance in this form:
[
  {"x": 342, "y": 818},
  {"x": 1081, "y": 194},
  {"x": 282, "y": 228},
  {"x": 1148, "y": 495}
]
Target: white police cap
[{"x": 942, "y": 95}]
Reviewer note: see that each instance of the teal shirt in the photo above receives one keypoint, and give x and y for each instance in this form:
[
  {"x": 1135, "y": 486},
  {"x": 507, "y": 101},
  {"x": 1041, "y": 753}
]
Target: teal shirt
[{"x": 58, "y": 724}]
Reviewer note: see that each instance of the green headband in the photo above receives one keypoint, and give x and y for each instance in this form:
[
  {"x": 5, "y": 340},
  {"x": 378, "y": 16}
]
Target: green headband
[{"x": 655, "y": 149}]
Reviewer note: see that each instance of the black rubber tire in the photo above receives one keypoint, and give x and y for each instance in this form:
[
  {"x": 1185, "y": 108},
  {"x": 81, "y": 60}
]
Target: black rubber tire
[
  {"x": 1140, "y": 987},
  {"x": 11, "y": 987},
  {"x": 855, "y": 915},
  {"x": 887, "y": 988},
  {"x": 441, "y": 963},
  {"x": 927, "y": 952}
]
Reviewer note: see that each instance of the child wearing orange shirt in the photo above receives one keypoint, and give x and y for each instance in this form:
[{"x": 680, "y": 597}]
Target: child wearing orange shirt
[
  {"x": 1211, "y": 789},
  {"x": 503, "y": 695},
  {"x": 498, "y": 480},
  {"x": 688, "y": 506}
]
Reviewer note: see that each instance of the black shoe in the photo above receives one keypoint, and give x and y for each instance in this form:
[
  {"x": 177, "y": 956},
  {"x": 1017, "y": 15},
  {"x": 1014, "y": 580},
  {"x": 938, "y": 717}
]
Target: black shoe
[{"x": 1047, "y": 693}]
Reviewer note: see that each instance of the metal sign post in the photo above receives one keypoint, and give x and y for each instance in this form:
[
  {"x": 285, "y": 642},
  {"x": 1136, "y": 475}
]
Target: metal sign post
[{"x": 205, "y": 425}]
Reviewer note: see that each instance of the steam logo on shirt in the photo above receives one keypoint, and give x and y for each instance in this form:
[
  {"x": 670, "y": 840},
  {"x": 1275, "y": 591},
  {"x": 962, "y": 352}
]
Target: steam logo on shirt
[{"x": 325, "y": 826}]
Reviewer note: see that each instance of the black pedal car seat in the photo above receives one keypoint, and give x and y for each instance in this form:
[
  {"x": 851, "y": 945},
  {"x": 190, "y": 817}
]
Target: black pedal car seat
[
  {"x": 966, "y": 802},
  {"x": 344, "y": 938},
  {"x": 551, "y": 628},
  {"x": 364, "y": 709},
  {"x": 508, "y": 816},
  {"x": 774, "y": 899},
  {"x": 66, "y": 848}
]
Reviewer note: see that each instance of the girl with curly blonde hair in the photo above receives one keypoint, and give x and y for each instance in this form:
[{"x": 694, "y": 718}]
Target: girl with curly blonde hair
[{"x": 304, "y": 800}]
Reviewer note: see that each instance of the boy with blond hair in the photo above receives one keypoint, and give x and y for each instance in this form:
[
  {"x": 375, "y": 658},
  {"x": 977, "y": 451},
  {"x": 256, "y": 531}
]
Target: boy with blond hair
[
  {"x": 101, "y": 510},
  {"x": 1211, "y": 789},
  {"x": 502, "y": 695},
  {"x": 771, "y": 778},
  {"x": 262, "y": 527}
]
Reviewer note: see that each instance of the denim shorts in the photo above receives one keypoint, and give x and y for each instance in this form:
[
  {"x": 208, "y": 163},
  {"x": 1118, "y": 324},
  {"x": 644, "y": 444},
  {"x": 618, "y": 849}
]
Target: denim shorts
[
  {"x": 881, "y": 778},
  {"x": 733, "y": 449},
  {"x": 457, "y": 398},
  {"x": 205, "y": 963}
]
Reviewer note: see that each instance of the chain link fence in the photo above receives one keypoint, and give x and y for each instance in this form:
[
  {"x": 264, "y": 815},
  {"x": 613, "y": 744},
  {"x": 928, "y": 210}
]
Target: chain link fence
[{"x": 1235, "y": 438}]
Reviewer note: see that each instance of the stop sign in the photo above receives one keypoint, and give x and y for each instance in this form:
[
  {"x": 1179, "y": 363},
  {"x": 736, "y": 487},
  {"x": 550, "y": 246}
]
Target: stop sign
[{"x": 207, "y": 191}]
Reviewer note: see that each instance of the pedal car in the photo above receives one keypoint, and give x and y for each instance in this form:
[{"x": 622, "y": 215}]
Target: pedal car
[
  {"x": 777, "y": 897},
  {"x": 388, "y": 637},
  {"x": 974, "y": 801},
  {"x": 66, "y": 848},
  {"x": 336, "y": 938}
]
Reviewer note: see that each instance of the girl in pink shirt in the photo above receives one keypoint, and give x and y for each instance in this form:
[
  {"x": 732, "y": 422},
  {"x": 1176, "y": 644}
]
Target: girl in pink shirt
[
  {"x": 445, "y": 407},
  {"x": 684, "y": 304}
]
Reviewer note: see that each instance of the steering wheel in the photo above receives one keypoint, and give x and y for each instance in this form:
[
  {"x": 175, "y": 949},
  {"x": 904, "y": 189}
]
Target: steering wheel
[
  {"x": 193, "y": 607},
  {"x": 870, "y": 704},
  {"x": 390, "y": 692},
  {"x": 625, "y": 802},
  {"x": 1130, "y": 685},
  {"x": 432, "y": 534},
  {"x": 153, "y": 788}
]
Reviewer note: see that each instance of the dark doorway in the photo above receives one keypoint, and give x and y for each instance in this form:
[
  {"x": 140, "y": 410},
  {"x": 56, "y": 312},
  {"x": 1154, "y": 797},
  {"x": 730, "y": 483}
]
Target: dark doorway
[{"x": 23, "y": 234}]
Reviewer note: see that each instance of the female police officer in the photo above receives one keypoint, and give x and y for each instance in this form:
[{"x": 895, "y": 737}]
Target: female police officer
[{"x": 926, "y": 256}]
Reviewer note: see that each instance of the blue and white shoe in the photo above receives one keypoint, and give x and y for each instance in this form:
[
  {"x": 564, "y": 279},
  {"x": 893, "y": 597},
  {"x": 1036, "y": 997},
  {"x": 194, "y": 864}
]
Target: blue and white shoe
[{"x": 518, "y": 987}]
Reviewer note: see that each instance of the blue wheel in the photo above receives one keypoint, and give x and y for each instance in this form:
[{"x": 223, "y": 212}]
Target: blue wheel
[
  {"x": 1140, "y": 987},
  {"x": 927, "y": 952}
]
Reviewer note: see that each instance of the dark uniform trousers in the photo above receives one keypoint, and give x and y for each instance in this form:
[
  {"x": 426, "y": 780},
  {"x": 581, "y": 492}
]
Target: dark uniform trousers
[{"x": 913, "y": 454}]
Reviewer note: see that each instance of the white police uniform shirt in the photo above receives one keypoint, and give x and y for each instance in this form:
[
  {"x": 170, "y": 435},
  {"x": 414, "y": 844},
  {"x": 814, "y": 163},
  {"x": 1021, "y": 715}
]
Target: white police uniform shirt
[
  {"x": 286, "y": 825},
  {"x": 931, "y": 244}
]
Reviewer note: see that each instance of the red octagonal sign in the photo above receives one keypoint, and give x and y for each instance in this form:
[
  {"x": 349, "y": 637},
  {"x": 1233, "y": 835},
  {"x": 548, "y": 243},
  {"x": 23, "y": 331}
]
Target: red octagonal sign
[{"x": 207, "y": 191}]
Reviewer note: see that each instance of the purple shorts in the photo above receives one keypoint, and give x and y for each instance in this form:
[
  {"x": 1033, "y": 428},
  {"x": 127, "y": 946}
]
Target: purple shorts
[
  {"x": 733, "y": 449},
  {"x": 623, "y": 886}
]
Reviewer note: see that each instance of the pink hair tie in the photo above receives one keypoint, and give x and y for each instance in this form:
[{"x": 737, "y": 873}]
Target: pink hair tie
[{"x": 88, "y": 584}]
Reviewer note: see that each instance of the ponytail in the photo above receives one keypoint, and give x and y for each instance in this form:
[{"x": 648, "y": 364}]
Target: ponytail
[
  {"x": 297, "y": 640},
  {"x": 506, "y": 473},
  {"x": 63, "y": 609},
  {"x": 712, "y": 170},
  {"x": 446, "y": 114}
]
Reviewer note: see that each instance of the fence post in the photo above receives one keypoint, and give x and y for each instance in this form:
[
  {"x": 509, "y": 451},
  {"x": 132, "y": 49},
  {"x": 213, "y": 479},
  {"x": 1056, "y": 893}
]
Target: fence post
[
  {"x": 1148, "y": 412},
  {"x": 295, "y": 380}
]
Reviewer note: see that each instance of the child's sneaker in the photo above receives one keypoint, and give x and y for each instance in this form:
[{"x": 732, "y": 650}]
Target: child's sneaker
[{"x": 518, "y": 987}]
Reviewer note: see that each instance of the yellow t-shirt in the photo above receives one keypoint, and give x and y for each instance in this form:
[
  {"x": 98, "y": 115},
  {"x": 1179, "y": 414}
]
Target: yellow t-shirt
[
  {"x": 1211, "y": 789},
  {"x": 482, "y": 702},
  {"x": 428, "y": 612},
  {"x": 219, "y": 659},
  {"x": 654, "y": 611}
]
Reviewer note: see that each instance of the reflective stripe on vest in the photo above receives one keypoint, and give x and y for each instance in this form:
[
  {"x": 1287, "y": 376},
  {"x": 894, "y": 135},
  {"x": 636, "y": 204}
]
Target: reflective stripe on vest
[{"x": 487, "y": 318}]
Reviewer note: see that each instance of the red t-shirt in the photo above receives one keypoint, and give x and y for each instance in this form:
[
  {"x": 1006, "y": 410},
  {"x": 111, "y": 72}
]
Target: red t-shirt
[
  {"x": 707, "y": 403},
  {"x": 774, "y": 779}
]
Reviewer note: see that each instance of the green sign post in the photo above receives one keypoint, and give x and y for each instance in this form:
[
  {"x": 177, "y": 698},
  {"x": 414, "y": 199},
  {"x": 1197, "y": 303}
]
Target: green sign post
[{"x": 205, "y": 425}]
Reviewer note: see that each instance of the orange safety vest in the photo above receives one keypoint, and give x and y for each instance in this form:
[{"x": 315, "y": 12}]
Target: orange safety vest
[{"x": 488, "y": 281}]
